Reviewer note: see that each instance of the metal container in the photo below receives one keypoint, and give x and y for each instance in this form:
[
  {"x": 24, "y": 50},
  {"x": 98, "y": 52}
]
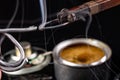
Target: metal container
[
  {"x": 65, "y": 70},
  {"x": 27, "y": 49}
]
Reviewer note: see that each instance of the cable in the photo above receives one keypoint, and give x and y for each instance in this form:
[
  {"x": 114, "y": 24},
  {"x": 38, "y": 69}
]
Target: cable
[
  {"x": 43, "y": 10},
  {"x": 11, "y": 20},
  {"x": 5, "y": 66},
  {"x": 56, "y": 26},
  {"x": 31, "y": 28}
]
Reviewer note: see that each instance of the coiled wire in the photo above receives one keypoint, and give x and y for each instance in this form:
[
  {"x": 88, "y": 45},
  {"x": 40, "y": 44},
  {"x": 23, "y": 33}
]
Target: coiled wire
[{"x": 5, "y": 66}]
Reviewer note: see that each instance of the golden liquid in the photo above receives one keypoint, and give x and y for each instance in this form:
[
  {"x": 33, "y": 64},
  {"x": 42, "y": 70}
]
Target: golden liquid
[{"x": 82, "y": 54}]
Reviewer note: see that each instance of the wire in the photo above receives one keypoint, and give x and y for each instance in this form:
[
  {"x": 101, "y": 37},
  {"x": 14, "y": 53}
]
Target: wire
[
  {"x": 31, "y": 28},
  {"x": 56, "y": 26},
  {"x": 18, "y": 64},
  {"x": 22, "y": 18},
  {"x": 11, "y": 20},
  {"x": 5, "y": 66},
  {"x": 43, "y": 9}
]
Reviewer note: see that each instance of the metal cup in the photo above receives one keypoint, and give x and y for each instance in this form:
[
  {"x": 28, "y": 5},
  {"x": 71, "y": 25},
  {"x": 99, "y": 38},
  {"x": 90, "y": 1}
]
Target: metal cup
[
  {"x": 27, "y": 49},
  {"x": 66, "y": 70}
]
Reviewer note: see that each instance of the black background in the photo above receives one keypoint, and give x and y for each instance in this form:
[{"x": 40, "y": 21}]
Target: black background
[{"x": 105, "y": 25}]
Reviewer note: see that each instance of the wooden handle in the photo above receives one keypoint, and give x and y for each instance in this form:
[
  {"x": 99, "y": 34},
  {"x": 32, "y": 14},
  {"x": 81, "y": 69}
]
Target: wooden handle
[
  {"x": 97, "y": 6},
  {"x": 94, "y": 6}
]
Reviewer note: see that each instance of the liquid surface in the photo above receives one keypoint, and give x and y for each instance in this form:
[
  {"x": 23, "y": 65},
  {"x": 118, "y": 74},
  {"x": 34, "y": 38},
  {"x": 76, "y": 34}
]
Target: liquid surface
[{"x": 82, "y": 54}]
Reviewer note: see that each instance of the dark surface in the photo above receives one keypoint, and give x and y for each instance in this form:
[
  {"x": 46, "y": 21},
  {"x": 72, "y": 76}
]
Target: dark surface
[
  {"x": 105, "y": 27},
  {"x": 46, "y": 74}
]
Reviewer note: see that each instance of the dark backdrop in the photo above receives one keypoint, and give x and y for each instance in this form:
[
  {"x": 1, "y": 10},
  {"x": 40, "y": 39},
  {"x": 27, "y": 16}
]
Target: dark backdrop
[{"x": 105, "y": 25}]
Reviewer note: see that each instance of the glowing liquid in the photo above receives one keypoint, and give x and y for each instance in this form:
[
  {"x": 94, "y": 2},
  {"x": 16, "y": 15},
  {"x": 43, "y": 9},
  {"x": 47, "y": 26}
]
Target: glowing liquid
[{"x": 82, "y": 54}]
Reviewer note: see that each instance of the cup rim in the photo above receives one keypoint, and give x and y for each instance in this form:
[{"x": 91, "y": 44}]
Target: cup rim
[{"x": 90, "y": 41}]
